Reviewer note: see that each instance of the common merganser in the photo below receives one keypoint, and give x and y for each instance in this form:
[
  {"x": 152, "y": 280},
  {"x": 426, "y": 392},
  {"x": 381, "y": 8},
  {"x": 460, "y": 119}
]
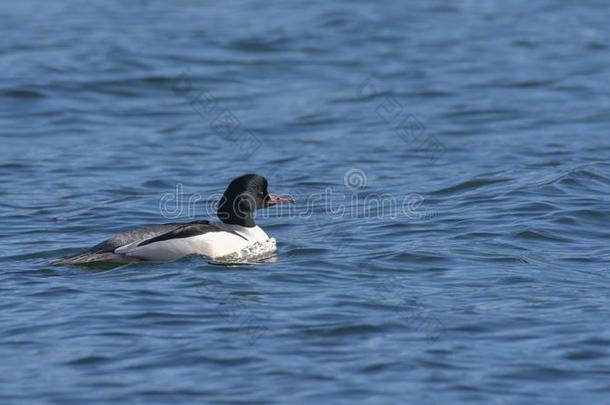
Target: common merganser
[{"x": 165, "y": 242}]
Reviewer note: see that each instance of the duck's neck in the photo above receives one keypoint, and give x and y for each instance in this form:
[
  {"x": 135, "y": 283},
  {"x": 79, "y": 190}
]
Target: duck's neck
[{"x": 231, "y": 218}]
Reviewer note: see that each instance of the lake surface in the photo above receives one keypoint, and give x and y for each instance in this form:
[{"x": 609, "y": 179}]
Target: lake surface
[{"x": 450, "y": 163}]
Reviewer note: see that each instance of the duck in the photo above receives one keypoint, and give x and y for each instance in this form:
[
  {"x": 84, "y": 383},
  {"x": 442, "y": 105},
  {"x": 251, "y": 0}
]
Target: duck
[{"x": 235, "y": 231}]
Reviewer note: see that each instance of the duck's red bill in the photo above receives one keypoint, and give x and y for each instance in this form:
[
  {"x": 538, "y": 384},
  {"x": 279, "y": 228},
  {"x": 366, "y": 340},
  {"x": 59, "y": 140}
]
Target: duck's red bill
[{"x": 274, "y": 199}]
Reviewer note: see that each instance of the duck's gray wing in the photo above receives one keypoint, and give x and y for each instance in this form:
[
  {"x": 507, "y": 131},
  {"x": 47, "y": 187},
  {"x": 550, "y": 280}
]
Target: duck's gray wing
[
  {"x": 187, "y": 231},
  {"x": 104, "y": 251}
]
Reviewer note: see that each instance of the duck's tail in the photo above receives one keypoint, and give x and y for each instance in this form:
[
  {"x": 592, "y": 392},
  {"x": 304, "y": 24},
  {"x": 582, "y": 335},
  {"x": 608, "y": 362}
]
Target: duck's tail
[{"x": 95, "y": 257}]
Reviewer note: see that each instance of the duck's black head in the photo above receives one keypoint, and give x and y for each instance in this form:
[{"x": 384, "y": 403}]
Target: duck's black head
[{"x": 243, "y": 196}]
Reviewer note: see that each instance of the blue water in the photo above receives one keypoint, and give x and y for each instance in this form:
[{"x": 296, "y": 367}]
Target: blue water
[{"x": 482, "y": 127}]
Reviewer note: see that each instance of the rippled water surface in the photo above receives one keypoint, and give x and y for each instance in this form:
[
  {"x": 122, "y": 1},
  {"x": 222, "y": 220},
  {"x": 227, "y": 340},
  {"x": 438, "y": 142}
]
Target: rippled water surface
[{"x": 450, "y": 162}]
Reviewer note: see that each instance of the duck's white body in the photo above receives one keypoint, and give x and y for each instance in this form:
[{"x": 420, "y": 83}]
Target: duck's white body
[
  {"x": 215, "y": 240},
  {"x": 231, "y": 240}
]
